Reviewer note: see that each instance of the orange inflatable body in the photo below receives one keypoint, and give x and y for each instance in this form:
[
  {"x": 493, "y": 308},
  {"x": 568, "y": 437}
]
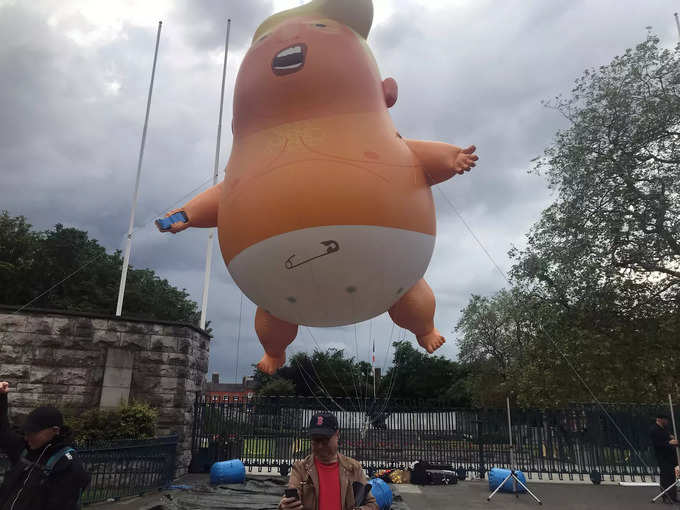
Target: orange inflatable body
[{"x": 325, "y": 216}]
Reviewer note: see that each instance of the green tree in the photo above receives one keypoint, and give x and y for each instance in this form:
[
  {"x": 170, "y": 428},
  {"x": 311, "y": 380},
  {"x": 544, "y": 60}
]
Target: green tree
[
  {"x": 83, "y": 275},
  {"x": 417, "y": 375},
  {"x": 598, "y": 283},
  {"x": 277, "y": 387},
  {"x": 615, "y": 226}
]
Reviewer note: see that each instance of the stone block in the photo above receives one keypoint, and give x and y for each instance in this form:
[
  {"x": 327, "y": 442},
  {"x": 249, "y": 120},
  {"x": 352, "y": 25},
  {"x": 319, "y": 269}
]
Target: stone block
[
  {"x": 184, "y": 346},
  {"x": 28, "y": 400},
  {"x": 106, "y": 337},
  {"x": 15, "y": 354},
  {"x": 163, "y": 343},
  {"x": 165, "y": 385},
  {"x": 156, "y": 329},
  {"x": 13, "y": 322},
  {"x": 174, "y": 330},
  {"x": 179, "y": 360},
  {"x": 44, "y": 356},
  {"x": 100, "y": 323},
  {"x": 79, "y": 358},
  {"x": 158, "y": 370},
  {"x": 134, "y": 328},
  {"x": 11, "y": 372},
  {"x": 202, "y": 366},
  {"x": 135, "y": 341},
  {"x": 44, "y": 340},
  {"x": 149, "y": 359},
  {"x": 83, "y": 343},
  {"x": 39, "y": 324},
  {"x": 51, "y": 375},
  {"x": 171, "y": 417},
  {"x": 155, "y": 400},
  {"x": 63, "y": 326},
  {"x": 83, "y": 329}
]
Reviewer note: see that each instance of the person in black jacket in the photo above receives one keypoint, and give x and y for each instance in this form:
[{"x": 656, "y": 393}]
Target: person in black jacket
[
  {"x": 44, "y": 473},
  {"x": 664, "y": 449}
]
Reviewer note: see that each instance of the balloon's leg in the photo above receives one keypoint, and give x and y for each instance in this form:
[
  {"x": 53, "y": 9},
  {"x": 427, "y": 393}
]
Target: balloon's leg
[
  {"x": 415, "y": 312},
  {"x": 275, "y": 335}
]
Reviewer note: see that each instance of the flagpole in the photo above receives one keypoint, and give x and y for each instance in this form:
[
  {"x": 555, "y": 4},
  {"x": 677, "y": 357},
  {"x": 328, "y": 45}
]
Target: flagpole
[
  {"x": 128, "y": 245},
  {"x": 677, "y": 23},
  {"x": 373, "y": 365},
  {"x": 211, "y": 237}
]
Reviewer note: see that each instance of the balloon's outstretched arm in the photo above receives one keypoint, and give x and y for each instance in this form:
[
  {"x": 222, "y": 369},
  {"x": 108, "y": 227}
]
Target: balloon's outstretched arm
[
  {"x": 441, "y": 161},
  {"x": 201, "y": 211}
]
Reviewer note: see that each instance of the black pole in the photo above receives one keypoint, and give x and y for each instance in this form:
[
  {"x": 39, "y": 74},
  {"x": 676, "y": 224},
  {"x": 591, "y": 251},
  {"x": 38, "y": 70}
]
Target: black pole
[{"x": 482, "y": 469}]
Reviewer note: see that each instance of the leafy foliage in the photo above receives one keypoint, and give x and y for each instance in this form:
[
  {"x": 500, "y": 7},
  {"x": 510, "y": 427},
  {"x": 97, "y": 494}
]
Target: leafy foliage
[
  {"x": 85, "y": 277},
  {"x": 414, "y": 375},
  {"x": 598, "y": 283},
  {"x": 417, "y": 375},
  {"x": 277, "y": 387},
  {"x": 134, "y": 421}
]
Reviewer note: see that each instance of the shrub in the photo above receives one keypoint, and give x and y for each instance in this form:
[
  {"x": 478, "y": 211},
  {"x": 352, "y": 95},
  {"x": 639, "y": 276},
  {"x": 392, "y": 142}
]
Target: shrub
[{"x": 133, "y": 421}]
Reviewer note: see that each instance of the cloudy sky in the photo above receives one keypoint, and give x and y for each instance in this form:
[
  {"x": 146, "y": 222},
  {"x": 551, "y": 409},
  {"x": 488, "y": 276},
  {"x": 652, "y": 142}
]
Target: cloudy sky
[{"x": 74, "y": 76}]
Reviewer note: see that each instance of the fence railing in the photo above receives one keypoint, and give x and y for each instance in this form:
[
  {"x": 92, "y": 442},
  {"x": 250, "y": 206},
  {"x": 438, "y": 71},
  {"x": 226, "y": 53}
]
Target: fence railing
[
  {"x": 572, "y": 443},
  {"x": 124, "y": 468}
]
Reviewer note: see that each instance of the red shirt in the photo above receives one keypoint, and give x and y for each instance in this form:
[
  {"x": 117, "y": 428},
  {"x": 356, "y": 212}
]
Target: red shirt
[{"x": 329, "y": 486}]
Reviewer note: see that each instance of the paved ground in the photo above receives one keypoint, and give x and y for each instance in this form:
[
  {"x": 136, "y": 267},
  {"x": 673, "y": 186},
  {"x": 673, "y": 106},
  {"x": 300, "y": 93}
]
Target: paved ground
[
  {"x": 558, "y": 496},
  {"x": 465, "y": 495}
]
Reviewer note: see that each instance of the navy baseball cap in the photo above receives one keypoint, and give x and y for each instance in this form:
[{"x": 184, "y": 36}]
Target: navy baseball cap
[
  {"x": 43, "y": 418},
  {"x": 323, "y": 424}
]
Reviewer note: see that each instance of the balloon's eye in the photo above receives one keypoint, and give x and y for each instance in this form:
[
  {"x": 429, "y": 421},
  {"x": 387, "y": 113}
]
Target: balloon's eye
[
  {"x": 320, "y": 25},
  {"x": 263, "y": 37}
]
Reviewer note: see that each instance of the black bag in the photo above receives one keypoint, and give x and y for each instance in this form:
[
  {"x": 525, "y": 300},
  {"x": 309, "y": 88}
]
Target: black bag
[{"x": 440, "y": 477}]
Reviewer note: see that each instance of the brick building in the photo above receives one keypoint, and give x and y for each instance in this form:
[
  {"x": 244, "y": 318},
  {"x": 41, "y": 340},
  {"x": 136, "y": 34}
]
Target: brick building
[{"x": 215, "y": 391}]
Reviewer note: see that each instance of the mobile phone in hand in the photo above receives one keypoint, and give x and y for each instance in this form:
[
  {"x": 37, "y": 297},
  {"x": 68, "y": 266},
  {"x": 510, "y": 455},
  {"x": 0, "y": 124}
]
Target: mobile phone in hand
[{"x": 291, "y": 493}]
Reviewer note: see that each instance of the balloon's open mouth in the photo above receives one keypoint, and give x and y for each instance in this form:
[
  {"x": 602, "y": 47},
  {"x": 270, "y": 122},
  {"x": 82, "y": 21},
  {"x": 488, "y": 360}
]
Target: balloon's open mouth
[{"x": 289, "y": 60}]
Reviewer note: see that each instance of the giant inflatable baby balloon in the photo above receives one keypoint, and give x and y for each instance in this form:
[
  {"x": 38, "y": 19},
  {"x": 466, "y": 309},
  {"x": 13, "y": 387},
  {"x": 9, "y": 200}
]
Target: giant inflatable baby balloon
[{"x": 325, "y": 216}]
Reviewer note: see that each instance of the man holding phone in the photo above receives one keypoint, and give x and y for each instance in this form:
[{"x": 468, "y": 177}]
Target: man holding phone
[{"x": 325, "y": 479}]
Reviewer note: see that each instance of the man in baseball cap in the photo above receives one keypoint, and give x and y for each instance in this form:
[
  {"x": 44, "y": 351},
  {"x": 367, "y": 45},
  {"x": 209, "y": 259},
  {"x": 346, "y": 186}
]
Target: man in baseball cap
[
  {"x": 665, "y": 446},
  {"x": 324, "y": 480},
  {"x": 45, "y": 472}
]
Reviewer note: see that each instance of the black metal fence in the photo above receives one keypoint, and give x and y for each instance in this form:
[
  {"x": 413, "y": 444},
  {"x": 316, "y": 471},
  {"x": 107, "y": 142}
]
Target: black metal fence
[
  {"x": 124, "y": 468},
  {"x": 572, "y": 443}
]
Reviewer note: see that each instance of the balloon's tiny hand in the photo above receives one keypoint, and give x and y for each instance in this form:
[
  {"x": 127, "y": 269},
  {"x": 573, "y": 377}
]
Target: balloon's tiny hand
[
  {"x": 465, "y": 160},
  {"x": 177, "y": 226}
]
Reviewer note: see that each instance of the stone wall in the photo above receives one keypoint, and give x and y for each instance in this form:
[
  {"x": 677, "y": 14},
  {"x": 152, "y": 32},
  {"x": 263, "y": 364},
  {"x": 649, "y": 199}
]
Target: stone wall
[{"x": 85, "y": 361}]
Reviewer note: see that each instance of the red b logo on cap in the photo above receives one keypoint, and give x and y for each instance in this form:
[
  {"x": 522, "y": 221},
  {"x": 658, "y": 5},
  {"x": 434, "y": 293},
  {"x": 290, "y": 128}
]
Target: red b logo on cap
[{"x": 319, "y": 420}]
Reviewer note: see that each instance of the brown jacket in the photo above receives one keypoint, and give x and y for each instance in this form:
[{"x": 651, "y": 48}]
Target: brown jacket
[{"x": 304, "y": 477}]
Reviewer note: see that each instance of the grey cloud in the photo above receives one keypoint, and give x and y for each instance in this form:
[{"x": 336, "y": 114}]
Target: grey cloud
[
  {"x": 473, "y": 74},
  {"x": 205, "y": 21}
]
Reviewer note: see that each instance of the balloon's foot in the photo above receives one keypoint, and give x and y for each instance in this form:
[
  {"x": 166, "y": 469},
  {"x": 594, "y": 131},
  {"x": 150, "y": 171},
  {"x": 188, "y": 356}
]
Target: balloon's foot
[
  {"x": 432, "y": 341},
  {"x": 269, "y": 364}
]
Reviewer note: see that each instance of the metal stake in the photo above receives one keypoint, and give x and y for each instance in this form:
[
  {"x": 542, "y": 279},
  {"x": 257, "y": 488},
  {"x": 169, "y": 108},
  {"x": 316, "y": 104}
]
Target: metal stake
[{"x": 512, "y": 474}]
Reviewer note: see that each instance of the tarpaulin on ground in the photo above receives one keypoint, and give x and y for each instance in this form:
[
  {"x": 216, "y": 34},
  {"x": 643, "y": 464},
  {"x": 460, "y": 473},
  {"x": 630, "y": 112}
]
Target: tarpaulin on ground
[{"x": 258, "y": 493}]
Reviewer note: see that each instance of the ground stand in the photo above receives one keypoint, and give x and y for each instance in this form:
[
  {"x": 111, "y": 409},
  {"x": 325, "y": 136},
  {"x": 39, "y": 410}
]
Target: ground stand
[{"x": 512, "y": 474}]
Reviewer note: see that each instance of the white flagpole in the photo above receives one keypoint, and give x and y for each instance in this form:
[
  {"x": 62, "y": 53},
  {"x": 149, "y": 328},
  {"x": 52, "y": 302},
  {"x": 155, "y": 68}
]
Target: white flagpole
[
  {"x": 677, "y": 23},
  {"x": 128, "y": 245},
  {"x": 373, "y": 366},
  {"x": 211, "y": 237}
]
